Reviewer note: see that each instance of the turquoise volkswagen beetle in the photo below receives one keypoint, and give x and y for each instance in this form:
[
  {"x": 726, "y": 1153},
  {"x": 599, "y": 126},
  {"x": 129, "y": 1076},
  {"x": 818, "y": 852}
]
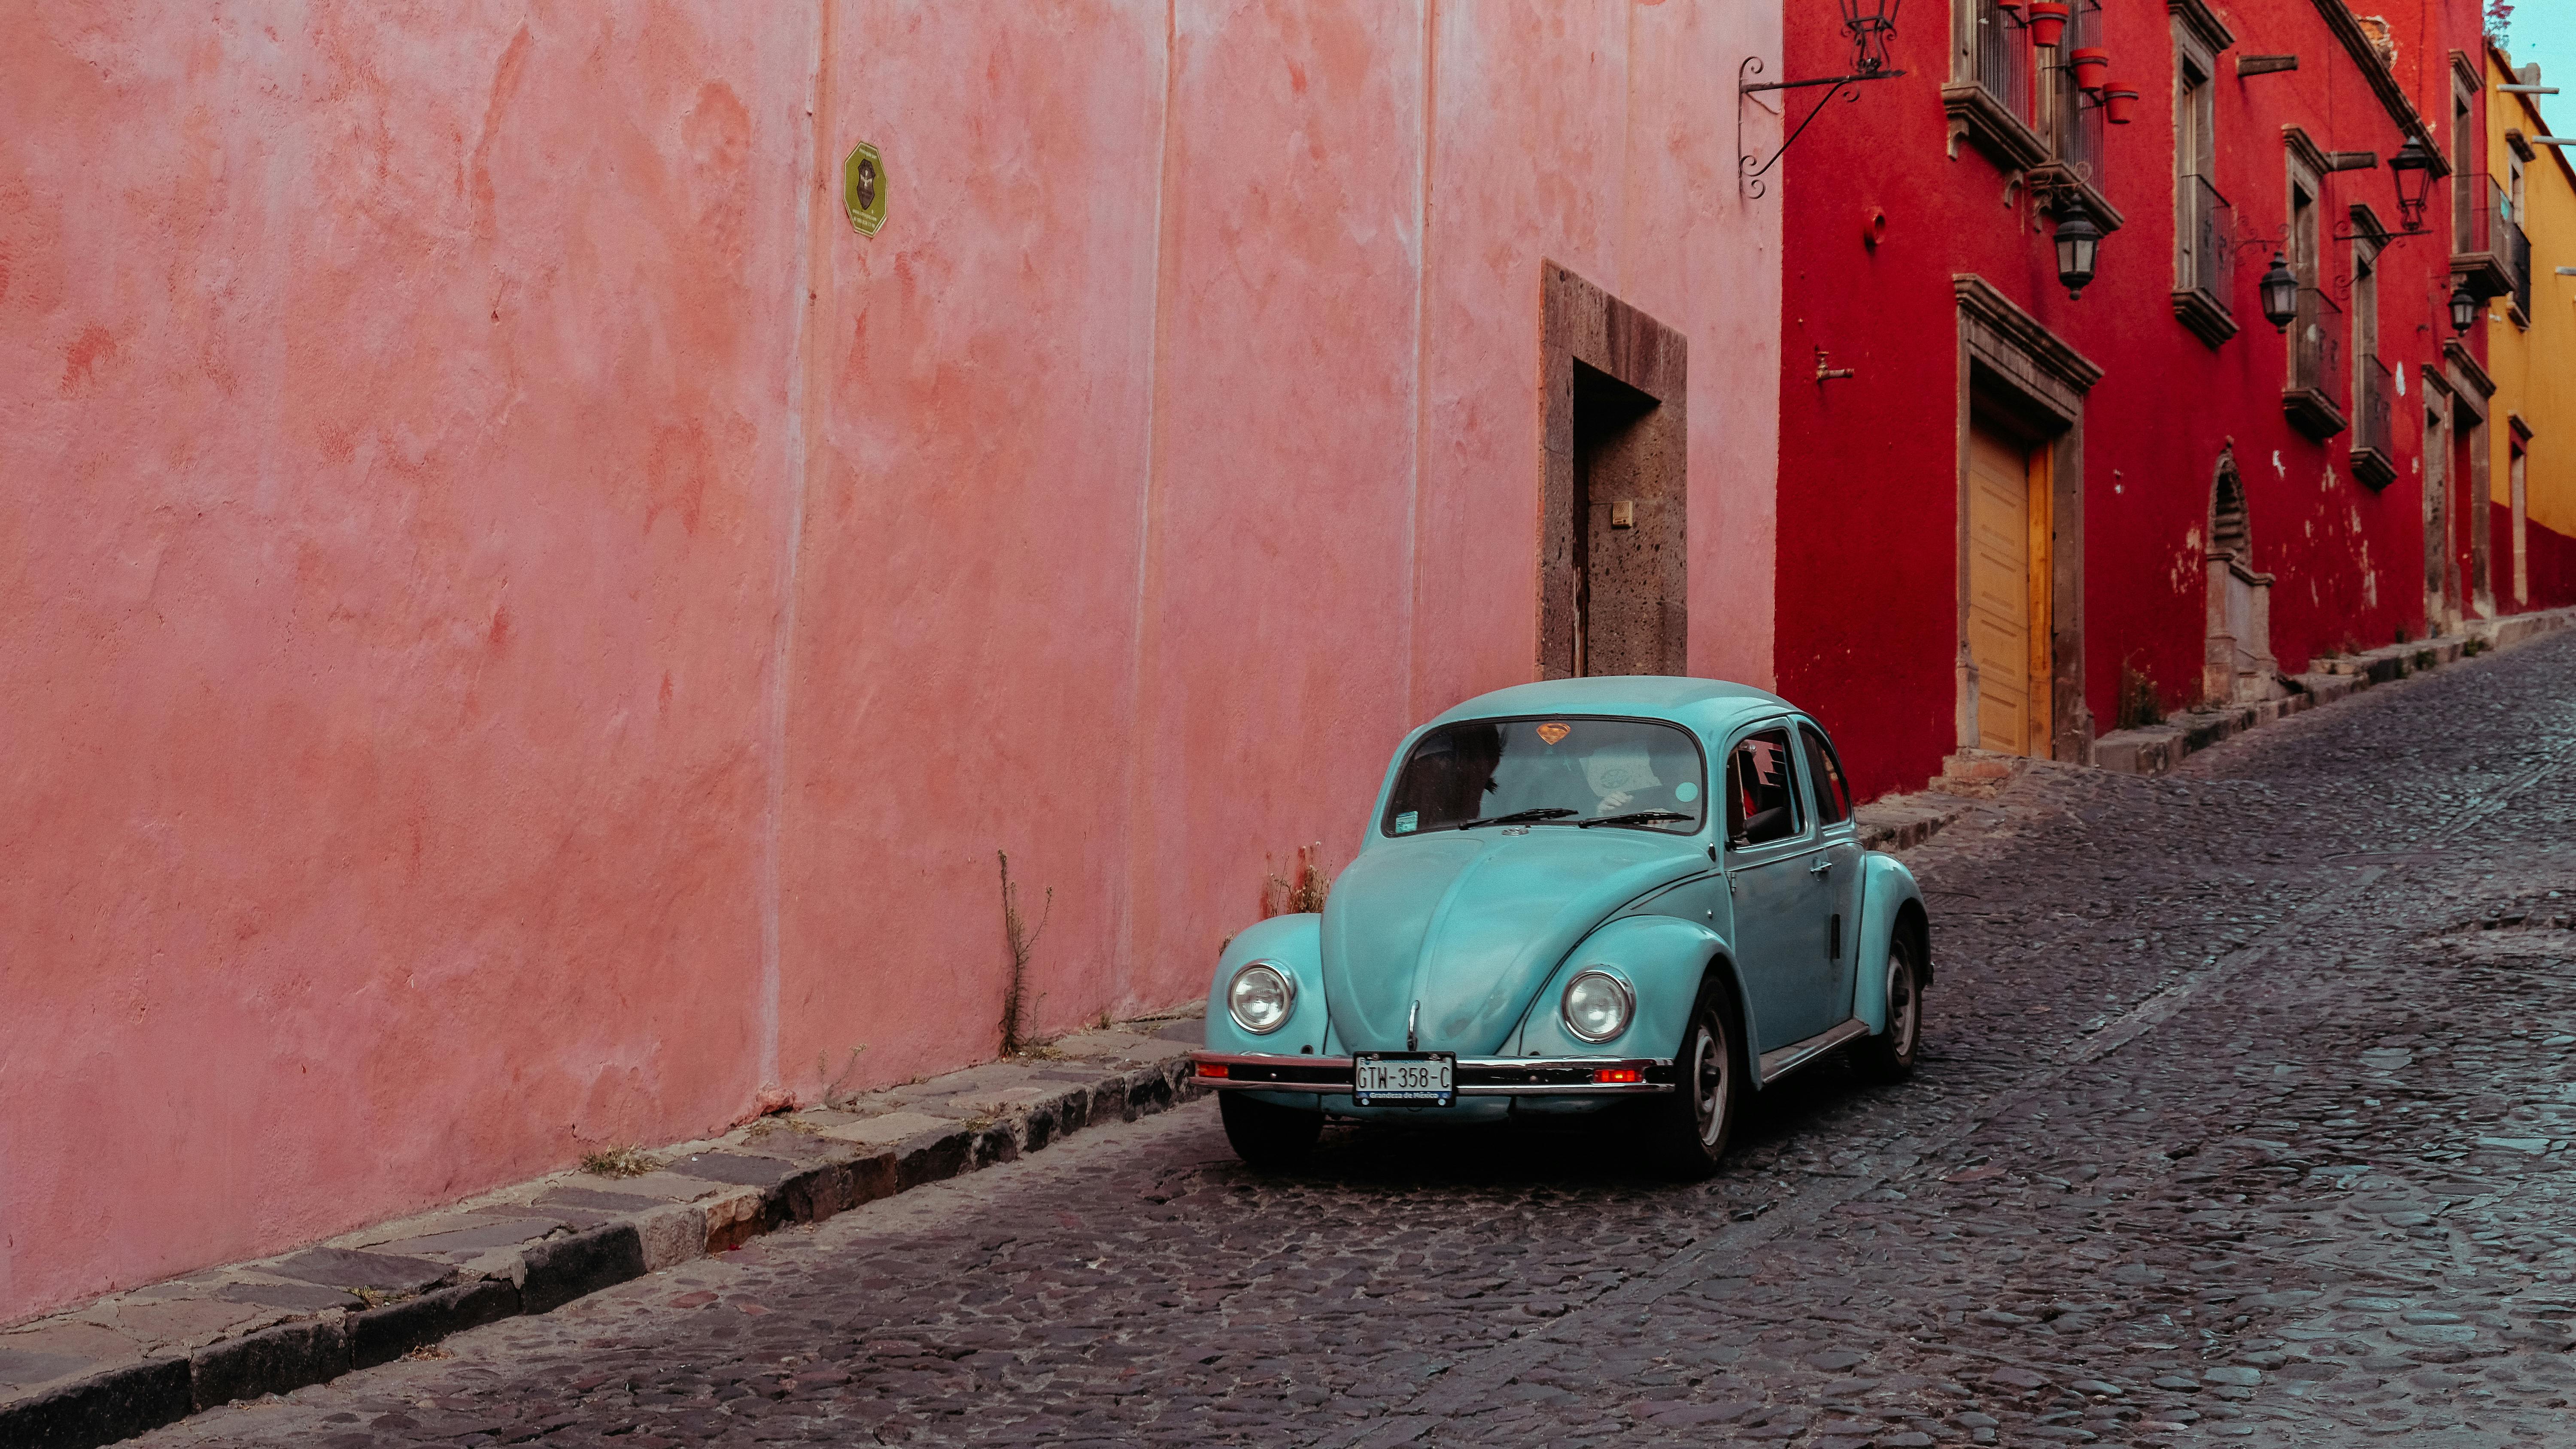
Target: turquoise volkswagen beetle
[{"x": 1636, "y": 893}]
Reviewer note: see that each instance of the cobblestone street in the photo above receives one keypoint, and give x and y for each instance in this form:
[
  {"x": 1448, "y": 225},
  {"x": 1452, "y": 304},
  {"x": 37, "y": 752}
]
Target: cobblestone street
[{"x": 2245, "y": 1117}]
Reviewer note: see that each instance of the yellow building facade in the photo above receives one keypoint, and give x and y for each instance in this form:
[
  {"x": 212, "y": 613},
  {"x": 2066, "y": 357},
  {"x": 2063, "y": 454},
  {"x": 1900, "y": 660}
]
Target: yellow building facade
[{"x": 2531, "y": 352}]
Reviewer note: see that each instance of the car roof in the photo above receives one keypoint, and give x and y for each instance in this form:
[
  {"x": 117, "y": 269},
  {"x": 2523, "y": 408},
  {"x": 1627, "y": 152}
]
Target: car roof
[{"x": 1711, "y": 706}]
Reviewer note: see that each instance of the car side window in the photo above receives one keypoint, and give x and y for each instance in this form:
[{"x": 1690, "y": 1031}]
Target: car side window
[
  {"x": 1761, "y": 790},
  {"x": 1833, "y": 797}
]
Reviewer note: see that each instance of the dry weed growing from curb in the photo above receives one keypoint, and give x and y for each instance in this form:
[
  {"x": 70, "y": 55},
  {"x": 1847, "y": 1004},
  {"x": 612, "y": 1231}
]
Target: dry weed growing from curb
[
  {"x": 627, "y": 1161},
  {"x": 1022, "y": 940},
  {"x": 1301, "y": 890}
]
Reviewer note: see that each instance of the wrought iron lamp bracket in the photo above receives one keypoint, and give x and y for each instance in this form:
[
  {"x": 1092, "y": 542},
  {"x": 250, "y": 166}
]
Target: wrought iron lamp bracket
[
  {"x": 2349, "y": 232},
  {"x": 1748, "y": 175},
  {"x": 2277, "y": 242},
  {"x": 2277, "y": 239},
  {"x": 2060, "y": 189}
]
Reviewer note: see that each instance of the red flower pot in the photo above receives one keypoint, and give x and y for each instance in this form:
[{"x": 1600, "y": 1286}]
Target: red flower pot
[
  {"x": 2047, "y": 21},
  {"x": 2010, "y": 8},
  {"x": 2092, "y": 67},
  {"x": 2119, "y": 103}
]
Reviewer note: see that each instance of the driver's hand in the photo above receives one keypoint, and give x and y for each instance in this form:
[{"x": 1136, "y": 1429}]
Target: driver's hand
[{"x": 1614, "y": 800}]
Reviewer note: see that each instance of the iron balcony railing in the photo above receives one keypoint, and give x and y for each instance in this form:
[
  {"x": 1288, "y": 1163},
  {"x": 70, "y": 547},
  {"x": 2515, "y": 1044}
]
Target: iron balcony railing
[
  {"x": 2517, "y": 260},
  {"x": 2316, "y": 353},
  {"x": 2079, "y": 132},
  {"x": 2371, "y": 431},
  {"x": 2206, "y": 243},
  {"x": 2002, "y": 55},
  {"x": 2499, "y": 234},
  {"x": 2483, "y": 228},
  {"x": 2076, "y": 122}
]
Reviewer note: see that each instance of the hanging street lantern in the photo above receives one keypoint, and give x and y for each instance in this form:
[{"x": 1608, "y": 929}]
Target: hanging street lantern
[
  {"x": 2280, "y": 289},
  {"x": 2464, "y": 308},
  {"x": 2077, "y": 241},
  {"x": 2048, "y": 21},
  {"x": 1871, "y": 24},
  {"x": 2412, "y": 169}
]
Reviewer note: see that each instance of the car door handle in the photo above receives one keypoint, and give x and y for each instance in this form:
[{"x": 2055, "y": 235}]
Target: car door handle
[{"x": 1820, "y": 867}]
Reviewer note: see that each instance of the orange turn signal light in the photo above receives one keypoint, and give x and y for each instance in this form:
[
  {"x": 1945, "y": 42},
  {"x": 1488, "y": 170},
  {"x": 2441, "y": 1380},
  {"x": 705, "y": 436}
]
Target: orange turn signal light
[
  {"x": 1615, "y": 1075},
  {"x": 1212, "y": 1069}
]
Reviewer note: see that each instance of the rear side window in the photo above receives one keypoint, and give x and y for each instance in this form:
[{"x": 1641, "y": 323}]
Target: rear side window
[
  {"x": 1761, "y": 790},
  {"x": 1833, "y": 797}
]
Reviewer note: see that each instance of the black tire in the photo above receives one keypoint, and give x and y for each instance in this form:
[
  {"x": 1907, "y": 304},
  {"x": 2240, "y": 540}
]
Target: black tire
[
  {"x": 1266, "y": 1135},
  {"x": 1889, "y": 1056},
  {"x": 1687, "y": 1132}
]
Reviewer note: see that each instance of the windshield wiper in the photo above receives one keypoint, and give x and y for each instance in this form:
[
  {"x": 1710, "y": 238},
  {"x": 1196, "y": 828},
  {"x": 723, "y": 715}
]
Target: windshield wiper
[
  {"x": 1633, "y": 817},
  {"x": 1544, "y": 812}
]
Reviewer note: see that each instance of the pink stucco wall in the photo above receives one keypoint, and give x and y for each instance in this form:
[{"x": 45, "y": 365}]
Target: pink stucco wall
[{"x": 519, "y": 630}]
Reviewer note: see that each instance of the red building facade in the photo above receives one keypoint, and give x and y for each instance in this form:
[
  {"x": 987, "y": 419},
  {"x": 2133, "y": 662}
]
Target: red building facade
[{"x": 2012, "y": 518}]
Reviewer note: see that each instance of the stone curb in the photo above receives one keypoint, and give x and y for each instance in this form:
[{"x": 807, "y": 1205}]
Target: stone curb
[
  {"x": 2156, "y": 749},
  {"x": 1901, "y": 822},
  {"x": 774, "y": 1172}
]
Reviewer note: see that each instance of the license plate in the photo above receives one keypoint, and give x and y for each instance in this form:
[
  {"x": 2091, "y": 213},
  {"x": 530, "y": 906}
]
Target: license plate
[{"x": 1380, "y": 1077}]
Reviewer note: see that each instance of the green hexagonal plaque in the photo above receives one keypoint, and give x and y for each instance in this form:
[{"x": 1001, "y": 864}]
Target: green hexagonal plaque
[{"x": 863, "y": 189}]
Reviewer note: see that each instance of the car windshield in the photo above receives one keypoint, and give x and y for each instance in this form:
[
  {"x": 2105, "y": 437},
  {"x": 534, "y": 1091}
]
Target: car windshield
[{"x": 1566, "y": 770}]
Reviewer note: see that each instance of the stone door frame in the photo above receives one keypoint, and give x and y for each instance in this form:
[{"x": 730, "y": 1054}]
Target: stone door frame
[
  {"x": 1579, "y": 322},
  {"x": 2009, "y": 364}
]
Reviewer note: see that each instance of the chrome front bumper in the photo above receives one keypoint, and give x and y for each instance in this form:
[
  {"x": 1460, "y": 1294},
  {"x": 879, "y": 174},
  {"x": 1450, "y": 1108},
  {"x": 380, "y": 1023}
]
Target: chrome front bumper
[{"x": 1475, "y": 1077}]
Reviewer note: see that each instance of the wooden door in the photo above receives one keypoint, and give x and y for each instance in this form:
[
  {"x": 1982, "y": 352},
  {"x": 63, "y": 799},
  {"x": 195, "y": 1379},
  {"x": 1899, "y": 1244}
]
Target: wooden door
[{"x": 2007, "y": 591}]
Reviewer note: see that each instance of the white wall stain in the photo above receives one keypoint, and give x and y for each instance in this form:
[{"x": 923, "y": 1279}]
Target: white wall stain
[{"x": 2187, "y": 564}]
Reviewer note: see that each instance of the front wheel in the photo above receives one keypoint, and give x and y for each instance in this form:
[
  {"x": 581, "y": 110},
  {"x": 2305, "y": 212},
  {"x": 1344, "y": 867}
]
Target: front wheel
[
  {"x": 1889, "y": 1056},
  {"x": 1688, "y": 1131},
  {"x": 1266, "y": 1135}
]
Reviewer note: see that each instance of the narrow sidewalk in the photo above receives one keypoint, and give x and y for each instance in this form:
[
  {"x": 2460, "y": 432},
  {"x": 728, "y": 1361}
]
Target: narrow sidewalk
[{"x": 132, "y": 1362}]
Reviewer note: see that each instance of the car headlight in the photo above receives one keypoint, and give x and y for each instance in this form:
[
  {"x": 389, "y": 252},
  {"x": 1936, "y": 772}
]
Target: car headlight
[
  {"x": 1261, "y": 997},
  {"x": 1598, "y": 1005}
]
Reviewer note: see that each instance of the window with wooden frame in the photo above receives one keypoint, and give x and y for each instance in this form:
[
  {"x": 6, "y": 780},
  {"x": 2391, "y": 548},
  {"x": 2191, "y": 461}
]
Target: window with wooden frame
[
  {"x": 2374, "y": 387},
  {"x": 1991, "y": 88},
  {"x": 2071, "y": 123},
  {"x": 2203, "y": 295},
  {"x": 2312, "y": 397},
  {"x": 2517, "y": 244},
  {"x": 2464, "y": 164}
]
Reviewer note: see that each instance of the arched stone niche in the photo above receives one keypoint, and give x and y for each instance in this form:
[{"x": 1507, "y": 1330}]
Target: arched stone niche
[{"x": 2237, "y": 665}]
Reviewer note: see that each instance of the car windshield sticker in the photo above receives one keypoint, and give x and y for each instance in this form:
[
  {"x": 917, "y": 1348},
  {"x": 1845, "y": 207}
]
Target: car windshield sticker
[
  {"x": 1405, "y": 822},
  {"x": 1553, "y": 733},
  {"x": 1766, "y": 759},
  {"x": 1686, "y": 792},
  {"x": 1619, "y": 769}
]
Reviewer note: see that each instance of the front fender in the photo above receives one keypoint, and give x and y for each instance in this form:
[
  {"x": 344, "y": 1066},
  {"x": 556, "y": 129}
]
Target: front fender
[
  {"x": 1664, "y": 958},
  {"x": 1888, "y": 896},
  {"x": 1295, "y": 943}
]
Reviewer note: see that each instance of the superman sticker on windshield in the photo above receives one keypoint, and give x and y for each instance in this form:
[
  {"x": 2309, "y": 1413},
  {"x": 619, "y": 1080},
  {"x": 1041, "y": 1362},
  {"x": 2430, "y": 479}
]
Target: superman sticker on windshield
[
  {"x": 1406, "y": 822},
  {"x": 1552, "y": 733},
  {"x": 1766, "y": 757}
]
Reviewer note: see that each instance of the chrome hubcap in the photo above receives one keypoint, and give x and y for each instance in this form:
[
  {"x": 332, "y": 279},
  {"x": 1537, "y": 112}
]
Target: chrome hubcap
[
  {"x": 1708, "y": 1082},
  {"x": 1901, "y": 1004}
]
